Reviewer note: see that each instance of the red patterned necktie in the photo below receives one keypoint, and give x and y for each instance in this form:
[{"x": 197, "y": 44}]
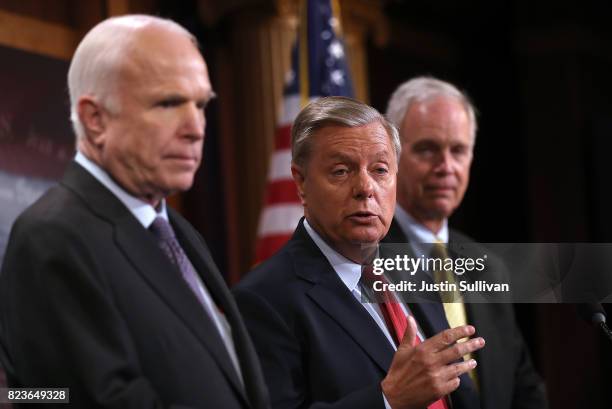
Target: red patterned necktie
[{"x": 394, "y": 316}]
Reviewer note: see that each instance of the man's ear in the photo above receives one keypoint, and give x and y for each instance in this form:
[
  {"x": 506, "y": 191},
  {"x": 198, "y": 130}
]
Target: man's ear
[
  {"x": 299, "y": 177},
  {"x": 93, "y": 117}
]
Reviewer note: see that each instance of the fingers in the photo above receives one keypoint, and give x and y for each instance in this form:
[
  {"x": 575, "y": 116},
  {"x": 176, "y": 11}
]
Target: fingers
[
  {"x": 446, "y": 348},
  {"x": 449, "y": 337},
  {"x": 424, "y": 373},
  {"x": 449, "y": 376},
  {"x": 451, "y": 372},
  {"x": 461, "y": 349}
]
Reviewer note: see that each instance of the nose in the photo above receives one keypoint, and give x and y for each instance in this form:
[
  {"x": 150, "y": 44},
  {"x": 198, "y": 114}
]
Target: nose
[
  {"x": 445, "y": 162},
  {"x": 363, "y": 187},
  {"x": 194, "y": 122}
]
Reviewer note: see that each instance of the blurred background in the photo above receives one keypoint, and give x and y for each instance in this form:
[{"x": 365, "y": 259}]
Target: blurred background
[{"x": 538, "y": 71}]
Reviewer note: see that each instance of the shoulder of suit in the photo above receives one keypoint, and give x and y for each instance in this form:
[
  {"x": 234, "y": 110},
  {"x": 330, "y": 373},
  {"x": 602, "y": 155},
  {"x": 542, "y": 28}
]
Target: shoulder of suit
[
  {"x": 277, "y": 269},
  {"x": 58, "y": 225},
  {"x": 57, "y": 206},
  {"x": 458, "y": 236}
]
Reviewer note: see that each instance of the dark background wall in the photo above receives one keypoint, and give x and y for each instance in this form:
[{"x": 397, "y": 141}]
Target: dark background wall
[{"x": 539, "y": 73}]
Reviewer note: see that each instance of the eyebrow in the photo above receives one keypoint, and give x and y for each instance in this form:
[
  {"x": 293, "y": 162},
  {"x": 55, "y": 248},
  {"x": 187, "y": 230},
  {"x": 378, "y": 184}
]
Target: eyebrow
[
  {"x": 173, "y": 96},
  {"x": 340, "y": 156},
  {"x": 381, "y": 155}
]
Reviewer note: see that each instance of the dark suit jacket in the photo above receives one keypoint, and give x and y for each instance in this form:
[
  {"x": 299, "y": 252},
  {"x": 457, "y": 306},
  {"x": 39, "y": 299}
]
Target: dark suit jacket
[
  {"x": 88, "y": 301},
  {"x": 507, "y": 379},
  {"x": 318, "y": 346}
]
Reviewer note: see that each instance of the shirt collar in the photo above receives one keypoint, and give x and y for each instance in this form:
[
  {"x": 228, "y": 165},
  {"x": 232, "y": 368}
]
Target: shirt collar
[
  {"x": 419, "y": 234},
  {"x": 348, "y": 271},
  {"x": 142, "y": 211}
]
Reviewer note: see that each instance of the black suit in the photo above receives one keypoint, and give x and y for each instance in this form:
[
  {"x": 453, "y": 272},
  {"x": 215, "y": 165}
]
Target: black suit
[
  {"x": 507, "y": 379},
  {"x": 318, "y": 346},
  {"x": 90, "y": 302}
]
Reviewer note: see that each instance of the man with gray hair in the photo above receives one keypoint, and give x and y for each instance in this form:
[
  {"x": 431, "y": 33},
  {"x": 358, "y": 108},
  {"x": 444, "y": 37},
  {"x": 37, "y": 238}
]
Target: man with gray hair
[
  {"x": 104, "y": 290},
  {"x": 437, "y": 127},
  {"x": 321, "y": 344}
]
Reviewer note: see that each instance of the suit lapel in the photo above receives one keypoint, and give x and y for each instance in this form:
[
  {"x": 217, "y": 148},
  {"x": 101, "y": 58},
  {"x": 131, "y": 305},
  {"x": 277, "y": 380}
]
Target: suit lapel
[
  {"x": 140, "y": 248},
  {"x": 212, "y": 278},
  {"x": 334, "y": 298},
  {"x": 142, "y": 251},
  {"x": 202, "y": 261}
]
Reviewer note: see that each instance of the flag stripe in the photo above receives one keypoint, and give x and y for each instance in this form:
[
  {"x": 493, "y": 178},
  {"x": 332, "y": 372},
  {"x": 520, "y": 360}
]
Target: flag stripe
[
  {"x": 281, "y": 191},
  {"x": 283, "y": 137},
  {"x": 291, "y": 108},
  {"x": 280, "y": 166},
  {"x": 280, "y": 219}
]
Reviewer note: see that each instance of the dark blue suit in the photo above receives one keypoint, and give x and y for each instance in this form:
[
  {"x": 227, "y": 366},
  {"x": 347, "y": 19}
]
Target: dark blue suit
[{"x": 318, "y": 346}]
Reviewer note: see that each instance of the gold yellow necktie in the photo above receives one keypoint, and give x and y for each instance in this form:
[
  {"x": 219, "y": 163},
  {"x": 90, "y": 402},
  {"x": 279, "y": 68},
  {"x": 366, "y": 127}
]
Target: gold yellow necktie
[{"x": 452, "y": 300}]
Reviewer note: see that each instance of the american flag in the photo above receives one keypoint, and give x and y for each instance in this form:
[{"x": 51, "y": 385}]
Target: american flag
[{"x": 319, "y": 68}]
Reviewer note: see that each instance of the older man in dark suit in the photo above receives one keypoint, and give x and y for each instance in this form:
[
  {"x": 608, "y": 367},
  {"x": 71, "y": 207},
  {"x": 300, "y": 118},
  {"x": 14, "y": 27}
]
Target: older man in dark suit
[
  {"x": 104, "y": 289},
  {"x": 437, "y": 126},
  {"x": 321, "y": 344}
]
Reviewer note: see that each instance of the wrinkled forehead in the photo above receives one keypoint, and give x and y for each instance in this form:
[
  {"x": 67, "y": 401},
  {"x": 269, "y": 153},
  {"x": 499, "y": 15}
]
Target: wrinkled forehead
[{"x": 370, "y": 140}]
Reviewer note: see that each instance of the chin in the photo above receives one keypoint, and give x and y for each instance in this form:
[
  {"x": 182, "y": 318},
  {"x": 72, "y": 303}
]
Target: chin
[
  {"x": 367, "y": 238},
  {"x": 442, "y": 207},
  {"x": 182, "y": 183}
]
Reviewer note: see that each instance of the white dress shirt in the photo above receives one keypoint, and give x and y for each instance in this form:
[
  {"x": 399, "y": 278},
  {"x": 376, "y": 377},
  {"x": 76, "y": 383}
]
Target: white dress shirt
[{"x": 419, "y": 236}]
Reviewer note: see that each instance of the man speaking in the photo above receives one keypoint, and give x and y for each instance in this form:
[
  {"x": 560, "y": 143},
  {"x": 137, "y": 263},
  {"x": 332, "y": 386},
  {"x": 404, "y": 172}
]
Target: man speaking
[
  {"x": 104, "y": 289},
  {"x": 320, "y": 345}
]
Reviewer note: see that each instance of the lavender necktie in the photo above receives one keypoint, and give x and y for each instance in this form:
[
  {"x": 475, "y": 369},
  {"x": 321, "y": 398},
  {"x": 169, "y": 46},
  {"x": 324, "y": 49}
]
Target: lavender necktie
[{"x": 170, "y": 246}]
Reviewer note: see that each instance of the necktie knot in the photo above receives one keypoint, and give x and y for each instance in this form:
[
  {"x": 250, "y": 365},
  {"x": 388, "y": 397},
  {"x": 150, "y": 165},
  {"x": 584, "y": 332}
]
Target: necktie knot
[
  {"x": 368, "y": 280},
  {"x": 166, "y": 240},
  {"x": 367, "y": 275},
  {"x": 438, "y": 250},
  {"x": 162, "y": 229}
]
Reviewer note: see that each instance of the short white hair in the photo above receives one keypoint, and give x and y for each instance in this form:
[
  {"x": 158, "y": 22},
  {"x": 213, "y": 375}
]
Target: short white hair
[
  {"x": 339, "y": 111},
  {"x": 422, "y": 89},
  {"x": 97, "y": 60}
]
